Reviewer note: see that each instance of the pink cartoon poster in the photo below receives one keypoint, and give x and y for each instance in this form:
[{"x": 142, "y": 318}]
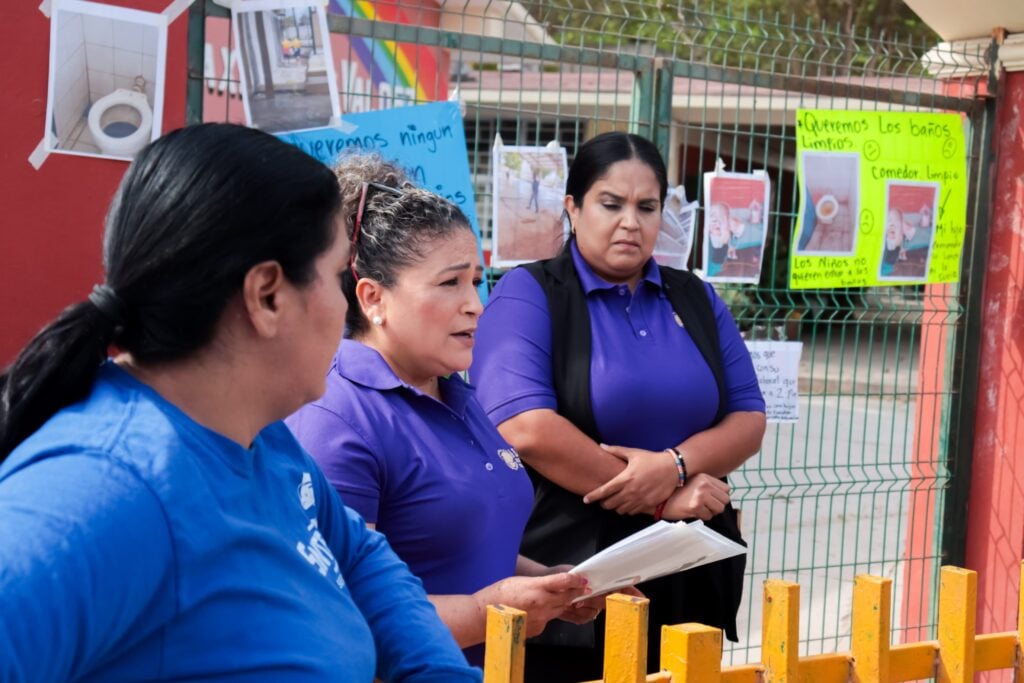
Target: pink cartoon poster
[{"x": 735, "y": 225}]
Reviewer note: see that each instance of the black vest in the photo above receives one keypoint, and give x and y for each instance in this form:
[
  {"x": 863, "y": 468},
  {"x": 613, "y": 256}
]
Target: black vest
[{"x": 562, "y": 529}]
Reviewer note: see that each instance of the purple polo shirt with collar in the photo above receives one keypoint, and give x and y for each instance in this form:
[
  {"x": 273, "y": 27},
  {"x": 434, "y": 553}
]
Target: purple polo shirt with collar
[
  {"x": 650, "y": 386},
  {"x": 437, "y": 479}
]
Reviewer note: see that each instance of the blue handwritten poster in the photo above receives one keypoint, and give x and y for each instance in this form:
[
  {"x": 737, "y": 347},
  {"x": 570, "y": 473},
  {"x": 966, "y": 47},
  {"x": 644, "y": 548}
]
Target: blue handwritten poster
[{"x": 428, "y": 140}]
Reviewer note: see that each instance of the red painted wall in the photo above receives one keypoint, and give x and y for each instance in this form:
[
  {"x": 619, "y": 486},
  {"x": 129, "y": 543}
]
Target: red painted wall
[
  {"x": 995, "y": 519},
  {"x": 52, "y": 225}
]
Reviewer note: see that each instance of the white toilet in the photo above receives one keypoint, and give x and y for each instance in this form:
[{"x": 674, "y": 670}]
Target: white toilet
[{"x": 122, "y": 121}]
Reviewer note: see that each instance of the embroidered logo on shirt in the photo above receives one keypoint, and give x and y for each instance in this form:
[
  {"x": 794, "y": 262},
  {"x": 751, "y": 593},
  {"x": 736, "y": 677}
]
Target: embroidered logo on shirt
[
  {"x": 510, "y": 458},
  {"x": 306, "y": 498}
]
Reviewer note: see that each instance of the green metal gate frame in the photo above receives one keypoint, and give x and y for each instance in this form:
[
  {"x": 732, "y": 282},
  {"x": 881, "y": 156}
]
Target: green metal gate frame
[{"x": 651, "y": 115}]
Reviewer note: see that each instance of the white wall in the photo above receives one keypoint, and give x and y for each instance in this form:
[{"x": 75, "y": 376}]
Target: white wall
[
  {"x": 70, "y": 87},
  {"x": 116, "y": 53}
]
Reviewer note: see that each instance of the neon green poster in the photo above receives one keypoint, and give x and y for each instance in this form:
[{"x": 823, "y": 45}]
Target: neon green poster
[{"x": 883, "y": 199}]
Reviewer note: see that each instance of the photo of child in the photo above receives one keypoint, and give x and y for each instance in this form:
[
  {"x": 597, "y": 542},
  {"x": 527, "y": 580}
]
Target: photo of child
[
  {"x": 909, "y": 230},
  {"x": 735, "y": 226}
]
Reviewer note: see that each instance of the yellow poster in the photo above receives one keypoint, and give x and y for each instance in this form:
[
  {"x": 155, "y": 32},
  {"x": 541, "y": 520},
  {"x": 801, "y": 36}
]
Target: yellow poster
[{"x": 883, "y": 199}]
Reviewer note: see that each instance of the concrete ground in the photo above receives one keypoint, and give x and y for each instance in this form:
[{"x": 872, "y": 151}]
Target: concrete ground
[{"x": 827, "y": 497}]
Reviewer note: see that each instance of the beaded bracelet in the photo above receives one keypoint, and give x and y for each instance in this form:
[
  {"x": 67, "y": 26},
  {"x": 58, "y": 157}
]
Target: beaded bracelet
[{"x": 680, "y": 464}]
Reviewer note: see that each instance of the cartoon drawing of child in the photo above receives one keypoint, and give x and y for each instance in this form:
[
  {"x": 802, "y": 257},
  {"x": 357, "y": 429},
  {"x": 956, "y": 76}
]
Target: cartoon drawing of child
[
  {"x": 925, "y": 217},
  {"x": 718, "y": 225},
  {"x": 907, "y": 234},
  {"x": 893, "y": 250},
  {"x": 736, "y": 228},
  {"x": 756, "y": 215},
  {"x": 916, "y": 234},
  {"x": 719, "y": 233}
]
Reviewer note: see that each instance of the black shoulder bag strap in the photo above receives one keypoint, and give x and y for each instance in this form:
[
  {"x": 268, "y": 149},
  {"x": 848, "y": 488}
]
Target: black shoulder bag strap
[
  {"x": 712, "y": 593},
  {"x": 570, "y": 339},
  {"x": 689, "y": 298}
]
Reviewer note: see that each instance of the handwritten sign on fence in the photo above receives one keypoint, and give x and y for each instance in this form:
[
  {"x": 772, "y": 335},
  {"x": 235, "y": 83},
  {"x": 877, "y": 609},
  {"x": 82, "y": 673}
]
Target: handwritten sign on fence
[
  {"x": 883, "y": 198},
  {"x": 428, "y": 140},
  {"x": 777, "y": 365}
]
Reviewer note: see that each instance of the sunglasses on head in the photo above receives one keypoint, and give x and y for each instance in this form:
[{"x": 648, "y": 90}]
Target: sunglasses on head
[{"x": 359, "y": 218}]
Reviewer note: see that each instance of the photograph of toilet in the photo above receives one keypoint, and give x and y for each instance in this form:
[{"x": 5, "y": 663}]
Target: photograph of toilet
[
  {"x": 288, "y": 80},
  {"x": 829, "y": 220},
  {"x": 106, "y": 79}
]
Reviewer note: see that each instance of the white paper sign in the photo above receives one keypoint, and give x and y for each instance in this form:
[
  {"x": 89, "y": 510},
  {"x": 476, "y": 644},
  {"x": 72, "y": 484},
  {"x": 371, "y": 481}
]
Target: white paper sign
[{"x": 777, "y": 365}]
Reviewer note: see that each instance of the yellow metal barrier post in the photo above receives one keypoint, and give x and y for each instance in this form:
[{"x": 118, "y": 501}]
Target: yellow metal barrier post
[
  {"x": 1018, "y": 664},
  {"x": 625, "y": 642},
  {"x": 781, "y": 632},
  {"x": 958, "y": 598},
  {"x": 872, "y": 607},
  {"x": 506, "y": 645},
  {"x": 692, "y": 653}
]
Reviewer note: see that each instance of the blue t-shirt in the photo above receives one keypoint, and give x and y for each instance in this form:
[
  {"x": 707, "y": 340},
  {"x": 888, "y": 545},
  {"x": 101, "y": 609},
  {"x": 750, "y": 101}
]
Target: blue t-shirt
[
  {"x": 650, "y": 386},
  {"x": 436, "y": 478},
  {"x": 136, "y": 544}
]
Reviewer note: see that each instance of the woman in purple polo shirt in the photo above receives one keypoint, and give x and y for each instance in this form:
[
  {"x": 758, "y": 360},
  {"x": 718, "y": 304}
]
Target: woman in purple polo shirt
[
  {"x": 628, "y": 391},
  {"x": 402, "y": 437}
]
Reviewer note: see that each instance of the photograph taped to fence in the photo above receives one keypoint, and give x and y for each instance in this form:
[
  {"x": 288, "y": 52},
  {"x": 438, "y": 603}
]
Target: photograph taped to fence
[
  {"x": 829, "y": 214},
  {"x": 106, "y": 84},
  {"x": 675, "y": 239},
  {"x": 287, "y": 71},
  {"x": 735, "y": 223},
  {"x": 528, "y": 200},
  {"x": 910, "y": 210}
]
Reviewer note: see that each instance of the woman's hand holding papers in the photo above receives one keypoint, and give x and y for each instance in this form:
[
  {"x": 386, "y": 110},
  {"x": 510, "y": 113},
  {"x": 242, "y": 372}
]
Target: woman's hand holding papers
[{"x": 543, "y": 598}]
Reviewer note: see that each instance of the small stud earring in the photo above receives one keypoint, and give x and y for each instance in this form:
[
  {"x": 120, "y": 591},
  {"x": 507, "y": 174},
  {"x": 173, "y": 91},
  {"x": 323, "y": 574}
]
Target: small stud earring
[{"x": 377, "y": 320}]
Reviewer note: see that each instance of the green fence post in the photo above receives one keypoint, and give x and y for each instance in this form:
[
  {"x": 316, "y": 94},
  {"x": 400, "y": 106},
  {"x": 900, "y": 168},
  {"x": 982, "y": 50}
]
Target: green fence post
[
  {"x": 662, "y": 123},
  {"x": 967, "y": 344},
  {"x": 642, "y": 105}
]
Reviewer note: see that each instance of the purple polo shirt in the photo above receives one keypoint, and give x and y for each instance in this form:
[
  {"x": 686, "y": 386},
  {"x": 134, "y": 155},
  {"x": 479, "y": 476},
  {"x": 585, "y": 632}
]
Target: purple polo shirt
[
  {"x": 650, "y": 386},
  {"x": 436, "y": 478}
]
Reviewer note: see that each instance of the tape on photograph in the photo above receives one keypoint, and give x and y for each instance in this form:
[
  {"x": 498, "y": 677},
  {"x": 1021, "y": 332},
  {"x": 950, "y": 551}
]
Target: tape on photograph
[{"x": 174, "y": 10}]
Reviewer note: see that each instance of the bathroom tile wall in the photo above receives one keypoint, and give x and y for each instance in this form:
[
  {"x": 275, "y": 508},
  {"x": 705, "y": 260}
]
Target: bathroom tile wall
[
  {"x": 116, "y": 53},
  {"x": 70, "y": 86}
]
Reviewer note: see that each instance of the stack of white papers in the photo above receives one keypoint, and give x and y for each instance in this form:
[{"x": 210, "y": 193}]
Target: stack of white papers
[{"x": 660, "y": 549}]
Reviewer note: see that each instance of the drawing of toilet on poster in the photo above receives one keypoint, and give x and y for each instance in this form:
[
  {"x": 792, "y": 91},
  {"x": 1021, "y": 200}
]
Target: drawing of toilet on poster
[{"x": 883, "y": 199}]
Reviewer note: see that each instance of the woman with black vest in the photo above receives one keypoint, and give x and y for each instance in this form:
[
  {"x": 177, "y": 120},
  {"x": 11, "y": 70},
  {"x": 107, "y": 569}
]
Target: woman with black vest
[{"x": 627, "y": 389}]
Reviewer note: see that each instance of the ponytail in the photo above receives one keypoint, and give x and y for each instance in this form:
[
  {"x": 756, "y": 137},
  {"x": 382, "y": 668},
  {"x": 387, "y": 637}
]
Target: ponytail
[
  {"x": 55, "y": 369},
  {"x": 195, "y": 211}
]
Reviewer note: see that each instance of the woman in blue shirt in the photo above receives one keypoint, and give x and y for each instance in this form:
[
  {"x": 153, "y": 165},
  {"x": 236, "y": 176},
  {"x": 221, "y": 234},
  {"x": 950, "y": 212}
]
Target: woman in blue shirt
[
  {"x": 402, "y": 436},
  {"x": 628, "y": 392},
  {"x": 157, "y": 521}
]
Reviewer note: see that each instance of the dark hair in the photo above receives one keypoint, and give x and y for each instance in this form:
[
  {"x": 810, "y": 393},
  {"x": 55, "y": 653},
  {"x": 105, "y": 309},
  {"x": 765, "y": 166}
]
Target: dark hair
[
  {"x": 597, "y": 155},
  {"x": 393, "y": 230},
  {"x": 196, "y": 210}
]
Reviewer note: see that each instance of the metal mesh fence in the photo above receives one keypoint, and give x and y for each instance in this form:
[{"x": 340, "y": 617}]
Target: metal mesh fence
[{"x": 860, "y": 484}]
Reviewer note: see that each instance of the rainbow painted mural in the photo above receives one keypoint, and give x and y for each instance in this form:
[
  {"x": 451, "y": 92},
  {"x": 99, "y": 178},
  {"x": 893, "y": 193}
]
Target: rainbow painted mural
[{"x": 418, "y": 71}]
